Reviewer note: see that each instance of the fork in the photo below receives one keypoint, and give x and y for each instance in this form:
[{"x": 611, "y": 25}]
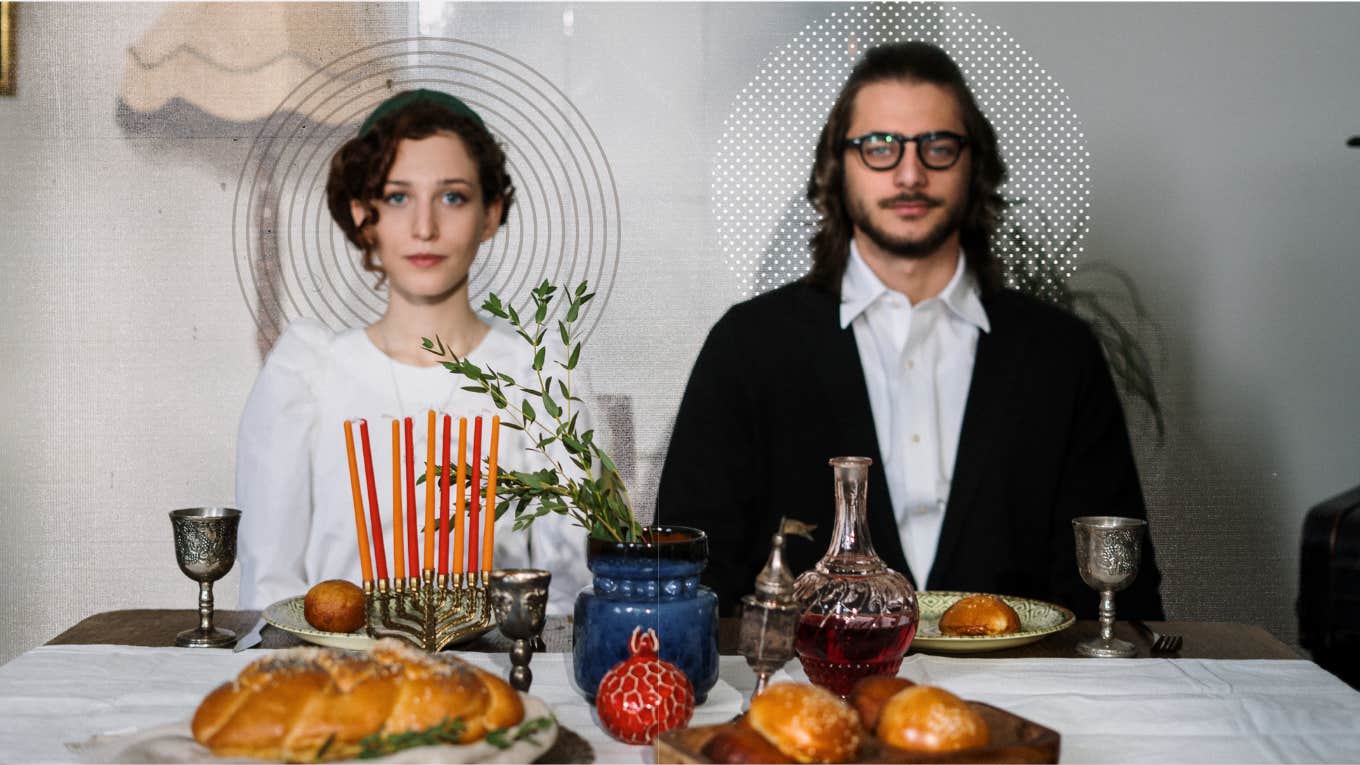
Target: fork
[{"x": 1167, "y": 643}]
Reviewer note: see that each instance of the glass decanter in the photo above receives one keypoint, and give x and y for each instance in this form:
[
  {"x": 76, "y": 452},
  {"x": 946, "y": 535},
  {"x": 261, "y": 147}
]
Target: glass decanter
[{"x": 859, "y": 616}]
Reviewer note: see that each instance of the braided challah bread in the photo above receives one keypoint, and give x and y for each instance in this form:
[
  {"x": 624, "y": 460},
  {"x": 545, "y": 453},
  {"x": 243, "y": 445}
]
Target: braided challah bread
[{"x": 312, "y": 704}]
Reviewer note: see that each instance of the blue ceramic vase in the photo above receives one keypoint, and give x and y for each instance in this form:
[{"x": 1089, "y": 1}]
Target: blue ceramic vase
[{"x": 654, "y": 584}]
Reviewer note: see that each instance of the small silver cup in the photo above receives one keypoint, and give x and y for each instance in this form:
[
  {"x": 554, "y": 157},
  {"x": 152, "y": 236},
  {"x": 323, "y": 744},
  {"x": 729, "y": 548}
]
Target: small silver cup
[
  {"x": 1108, "y": 550},
  {"x": 519, "y": 604},
  {"x": 205, "y": 548}
]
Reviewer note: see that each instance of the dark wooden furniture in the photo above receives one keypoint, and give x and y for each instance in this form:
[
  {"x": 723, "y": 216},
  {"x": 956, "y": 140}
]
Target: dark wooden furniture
[{"x": 1203, "y": 640}]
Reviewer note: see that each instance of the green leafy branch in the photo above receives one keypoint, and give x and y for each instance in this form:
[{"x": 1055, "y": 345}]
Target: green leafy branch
[
  {"x": 543, "y": 409},
  {"x": 446, "y": 731},
  {"x": 504, "y": 738}
]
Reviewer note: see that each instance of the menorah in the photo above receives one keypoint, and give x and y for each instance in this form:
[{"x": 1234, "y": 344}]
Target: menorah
[
  {"x": 431, "y": 611},
  {"x": 426, "y": 608}
]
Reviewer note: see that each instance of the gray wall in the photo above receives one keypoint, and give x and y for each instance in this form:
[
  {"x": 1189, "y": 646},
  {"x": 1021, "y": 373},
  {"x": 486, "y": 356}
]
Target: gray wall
[{"x": 1220, "y": 184}]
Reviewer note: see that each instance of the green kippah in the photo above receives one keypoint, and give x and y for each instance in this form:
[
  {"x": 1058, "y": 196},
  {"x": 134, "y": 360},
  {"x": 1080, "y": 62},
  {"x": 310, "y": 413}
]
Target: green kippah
[{"x": 408, "y": 97}]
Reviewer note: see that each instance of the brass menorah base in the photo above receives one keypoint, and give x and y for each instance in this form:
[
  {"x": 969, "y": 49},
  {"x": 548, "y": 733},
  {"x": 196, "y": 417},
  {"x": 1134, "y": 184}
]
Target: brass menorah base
[{"x": 428, "y": 612}]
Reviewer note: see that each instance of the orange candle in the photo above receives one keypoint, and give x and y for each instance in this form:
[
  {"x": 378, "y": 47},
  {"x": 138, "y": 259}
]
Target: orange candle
[
  {"x": 413, "y": 568},
  {"x": 360, "y": 530},
  {"x": 462, "y": 483},
  {"x": 430, "y": 435},
  {"x": 398, "y": 556},
  {"x": 489, "y": 536},
  {"x": 475, "y": 511},
  {"x": 379, "y": 549},
  {"x": 444, "y": 501}
]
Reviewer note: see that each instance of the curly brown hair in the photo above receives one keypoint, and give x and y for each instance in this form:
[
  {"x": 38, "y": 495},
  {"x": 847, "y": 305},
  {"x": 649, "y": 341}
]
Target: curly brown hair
[
  {"x": 912, "y": 62},
  {"x": 360, "y": 167}
]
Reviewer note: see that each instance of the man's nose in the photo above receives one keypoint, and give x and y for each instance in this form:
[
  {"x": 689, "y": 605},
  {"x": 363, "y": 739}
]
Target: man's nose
[{"x": 909, "y": 173}]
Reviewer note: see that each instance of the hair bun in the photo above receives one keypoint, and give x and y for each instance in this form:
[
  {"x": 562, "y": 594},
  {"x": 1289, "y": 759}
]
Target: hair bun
[
  {"x": 740, "y": 744},
  {"x": 871, "y": 693},
  {"x": 925, "y": 718},
  {"x": 806, "y": 723}
]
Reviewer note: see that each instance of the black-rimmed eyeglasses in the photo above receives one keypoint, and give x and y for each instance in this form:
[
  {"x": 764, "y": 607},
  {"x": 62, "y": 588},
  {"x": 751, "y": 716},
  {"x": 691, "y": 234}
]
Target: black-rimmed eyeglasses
[{"x": 937, "y": 150}]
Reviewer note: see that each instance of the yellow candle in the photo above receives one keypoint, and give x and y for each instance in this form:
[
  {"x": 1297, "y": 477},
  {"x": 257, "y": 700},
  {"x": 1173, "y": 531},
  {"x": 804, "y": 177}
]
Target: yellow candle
[
  {"x": 489, "y": 536},
  {"x": 458, "y": 499},
  {"x": 360, "y": 528},
  {"x": 429, "y": 492},
  {"x": 398, "y": 551}
]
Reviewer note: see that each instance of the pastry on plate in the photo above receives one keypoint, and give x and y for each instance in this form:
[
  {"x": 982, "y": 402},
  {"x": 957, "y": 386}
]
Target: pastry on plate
[
  {"x": 979, "y": 615},
  {"x": 334, "y": 606},
  {"x": 315, "y": 704}
]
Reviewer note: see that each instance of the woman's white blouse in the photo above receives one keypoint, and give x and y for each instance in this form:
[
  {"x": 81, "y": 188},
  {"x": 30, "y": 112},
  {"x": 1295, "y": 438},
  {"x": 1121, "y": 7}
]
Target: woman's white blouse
[{"x": 292, "y": 475}]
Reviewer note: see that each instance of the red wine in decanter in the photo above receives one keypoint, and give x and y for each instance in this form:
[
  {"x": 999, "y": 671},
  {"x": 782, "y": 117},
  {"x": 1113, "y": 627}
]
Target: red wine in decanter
[{"x": 838, "y": 650}]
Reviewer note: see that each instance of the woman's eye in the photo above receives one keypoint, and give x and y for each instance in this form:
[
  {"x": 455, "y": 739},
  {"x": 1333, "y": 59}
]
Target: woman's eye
[
  {"x": 395, "y": 198},
  {"x": 454, "y": 198}
]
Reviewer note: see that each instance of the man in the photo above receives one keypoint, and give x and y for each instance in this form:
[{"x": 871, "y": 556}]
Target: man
[{"x": 991, "y": 418}]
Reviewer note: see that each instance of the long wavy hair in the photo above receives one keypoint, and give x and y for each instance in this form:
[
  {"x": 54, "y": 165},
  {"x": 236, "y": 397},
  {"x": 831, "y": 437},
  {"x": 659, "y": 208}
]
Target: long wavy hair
[{"x": 911, "y": 62}]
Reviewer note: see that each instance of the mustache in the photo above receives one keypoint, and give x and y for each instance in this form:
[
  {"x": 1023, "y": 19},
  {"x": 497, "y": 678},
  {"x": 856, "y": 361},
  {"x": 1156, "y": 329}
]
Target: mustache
[{"x": 909, "y": 199}]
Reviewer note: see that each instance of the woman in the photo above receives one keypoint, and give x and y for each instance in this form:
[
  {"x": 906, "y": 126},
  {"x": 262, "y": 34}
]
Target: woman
[{"x": 421, "y": 187}]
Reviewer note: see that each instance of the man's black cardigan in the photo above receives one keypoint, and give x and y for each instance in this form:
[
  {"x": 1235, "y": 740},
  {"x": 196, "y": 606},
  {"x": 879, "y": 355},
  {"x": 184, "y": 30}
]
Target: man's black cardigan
[{"x": 778, "y": 390}]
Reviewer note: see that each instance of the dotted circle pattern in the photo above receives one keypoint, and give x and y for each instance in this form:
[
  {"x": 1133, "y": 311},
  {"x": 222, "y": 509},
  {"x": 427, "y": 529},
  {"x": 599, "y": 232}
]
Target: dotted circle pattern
[
  {"x": 770, "y": 136},
  {"x": 293, "y": 261}
]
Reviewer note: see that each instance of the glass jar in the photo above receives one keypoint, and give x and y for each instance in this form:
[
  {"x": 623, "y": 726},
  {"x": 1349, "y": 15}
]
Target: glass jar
[{"x": 859, "y": 616}]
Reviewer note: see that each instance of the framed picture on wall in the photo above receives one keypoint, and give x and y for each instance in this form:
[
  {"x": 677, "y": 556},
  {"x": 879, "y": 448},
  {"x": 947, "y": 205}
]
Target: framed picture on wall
[{"x": 6, "y": 48}]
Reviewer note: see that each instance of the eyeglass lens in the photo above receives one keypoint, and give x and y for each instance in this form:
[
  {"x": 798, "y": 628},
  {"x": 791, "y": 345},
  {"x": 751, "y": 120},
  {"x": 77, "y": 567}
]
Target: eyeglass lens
[{"x": 882, "y": 151}]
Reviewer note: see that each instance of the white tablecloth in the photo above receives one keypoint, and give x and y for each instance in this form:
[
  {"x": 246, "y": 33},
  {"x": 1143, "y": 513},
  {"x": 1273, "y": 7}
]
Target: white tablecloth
[{"x": 1134, "y": 710}]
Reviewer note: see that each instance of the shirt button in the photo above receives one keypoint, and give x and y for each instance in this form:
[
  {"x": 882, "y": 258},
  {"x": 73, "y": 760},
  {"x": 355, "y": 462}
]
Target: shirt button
[
  {"x": 915, "y": 438},
  {"x": 911, "y": 364}
]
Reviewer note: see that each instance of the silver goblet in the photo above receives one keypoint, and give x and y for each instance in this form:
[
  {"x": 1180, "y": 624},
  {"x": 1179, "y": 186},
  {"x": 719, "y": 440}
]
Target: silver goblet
[
  {"x": 519, "y": 603},
  {"x": 1108, "y": 549},
  {"x": 205, "y": 548}
]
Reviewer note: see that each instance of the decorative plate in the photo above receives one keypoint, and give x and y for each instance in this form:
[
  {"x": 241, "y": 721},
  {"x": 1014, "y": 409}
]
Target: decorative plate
[
  {"x": 287, "y": 615},
  {"x": 175, "y": 743},
  {"x": 1037, "y": 621}
]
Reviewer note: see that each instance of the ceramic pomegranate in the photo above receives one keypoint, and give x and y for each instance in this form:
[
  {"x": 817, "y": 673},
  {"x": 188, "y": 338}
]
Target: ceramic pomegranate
[{"x": 644, "y": 696}]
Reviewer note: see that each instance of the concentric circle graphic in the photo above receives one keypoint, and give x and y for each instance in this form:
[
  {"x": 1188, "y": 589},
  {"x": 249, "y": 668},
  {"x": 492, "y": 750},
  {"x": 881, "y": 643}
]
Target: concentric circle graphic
[
  {"x": 292, "y": 261},
  {"x": 770, "y": 134}
]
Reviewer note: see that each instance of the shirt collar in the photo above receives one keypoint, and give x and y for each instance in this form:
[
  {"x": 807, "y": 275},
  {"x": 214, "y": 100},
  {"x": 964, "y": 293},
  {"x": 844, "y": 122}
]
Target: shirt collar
[{"x": 861, "y": 287}]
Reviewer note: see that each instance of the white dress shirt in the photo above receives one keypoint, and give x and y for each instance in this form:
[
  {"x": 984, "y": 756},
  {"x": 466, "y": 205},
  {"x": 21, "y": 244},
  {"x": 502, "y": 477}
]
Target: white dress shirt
[
  {"x": 918, "y": 364},
  {"x": 292, "y": 476}
]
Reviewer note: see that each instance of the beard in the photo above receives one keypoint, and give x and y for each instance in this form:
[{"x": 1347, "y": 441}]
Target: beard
[{"x": 906, "y": 246}]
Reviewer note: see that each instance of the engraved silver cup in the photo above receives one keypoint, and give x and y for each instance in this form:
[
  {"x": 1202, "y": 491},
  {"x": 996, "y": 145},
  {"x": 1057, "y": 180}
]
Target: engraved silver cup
[
  {"x": 1108, "y": 549},
  {"x": 205, "y": 548},
  {"x": 519, "y": 603}
]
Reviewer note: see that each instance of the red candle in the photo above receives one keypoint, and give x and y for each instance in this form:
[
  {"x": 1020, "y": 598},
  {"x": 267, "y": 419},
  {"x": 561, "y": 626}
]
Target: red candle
[
  {"x": 398, "y": 552},
  {"x": 476, "y": 504},
  {"x": 379, "y": 550},
  {"x": 360, "y": 528},
  {"x": 459, "y": 506},
  {"x": 413, "y": 569},
  {"x": 444, "y": 500},
  {"x": 431, "y": 435}
]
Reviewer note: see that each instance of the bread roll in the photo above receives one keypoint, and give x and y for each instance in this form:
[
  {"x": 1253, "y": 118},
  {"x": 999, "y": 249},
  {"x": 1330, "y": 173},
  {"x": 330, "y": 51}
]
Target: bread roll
[
  {"x": 871, "y": 693},
  {"x": 740, "y": 744},
  {"x": 311, "y": 704},
  {"x": 979, "y": 615},
  {"x": 806, "y": 723},
  {"x": 334, "y": 606},
  {"x": 925, "y": 718}
]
